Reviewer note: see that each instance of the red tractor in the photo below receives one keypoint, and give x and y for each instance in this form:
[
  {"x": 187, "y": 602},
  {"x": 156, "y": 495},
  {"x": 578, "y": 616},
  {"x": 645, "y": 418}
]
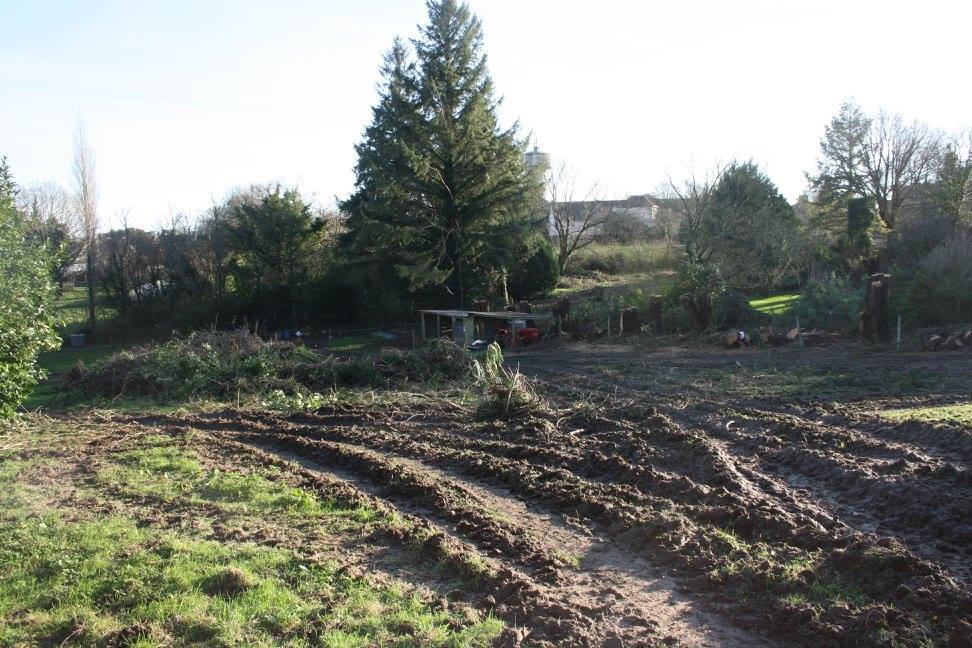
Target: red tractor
[{"x": 520, "y": 334}]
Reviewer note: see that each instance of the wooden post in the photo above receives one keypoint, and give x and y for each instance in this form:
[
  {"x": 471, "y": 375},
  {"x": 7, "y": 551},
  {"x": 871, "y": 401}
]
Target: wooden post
[
  {"x": 897, "y": 338},
  {"x": 799, "y": 333},
  {"x": 469, "y": 330},
  {"x": 421, "y": 328}
]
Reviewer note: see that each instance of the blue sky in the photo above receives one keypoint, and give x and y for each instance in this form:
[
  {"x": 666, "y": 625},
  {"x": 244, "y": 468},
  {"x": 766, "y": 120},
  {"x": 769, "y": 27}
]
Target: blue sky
[{"x": 184, "y": 100}]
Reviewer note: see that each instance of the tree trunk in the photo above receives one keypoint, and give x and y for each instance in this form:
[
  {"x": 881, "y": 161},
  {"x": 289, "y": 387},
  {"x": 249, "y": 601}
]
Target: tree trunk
[{"x": 89, "y": 268}]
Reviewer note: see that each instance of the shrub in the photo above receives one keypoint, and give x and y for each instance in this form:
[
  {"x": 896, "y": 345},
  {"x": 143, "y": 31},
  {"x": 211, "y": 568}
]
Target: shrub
[
  {"x": 697, "y": 287},
  {"x": 26, "y": 298},
  {"x": 941, "y": 293},
  {"x": 505, "y": 392},
  {"x": 731, "y": 308},
  {"x": 832, "y": 305},
  {"x": 537, "y": 275}
]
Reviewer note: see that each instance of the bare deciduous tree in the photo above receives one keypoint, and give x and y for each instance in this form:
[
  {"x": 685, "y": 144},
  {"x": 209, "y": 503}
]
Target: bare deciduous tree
[
  {"x": 691, "y": 200},
  {"x": 54, "y": 218},
  {"x": 575, "y": 221},
  {"x": 897, "y": 157},
  {"x": 87, "y": 196}
]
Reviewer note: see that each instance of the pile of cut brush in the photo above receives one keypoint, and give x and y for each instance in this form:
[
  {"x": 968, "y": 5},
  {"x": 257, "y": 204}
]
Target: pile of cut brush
[
  {"x": 220, "y": 364},
  {"x": 949, "y": 341}
]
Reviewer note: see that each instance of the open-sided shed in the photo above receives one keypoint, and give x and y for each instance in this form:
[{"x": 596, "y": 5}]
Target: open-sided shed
[{"x": 464, "y": 327}]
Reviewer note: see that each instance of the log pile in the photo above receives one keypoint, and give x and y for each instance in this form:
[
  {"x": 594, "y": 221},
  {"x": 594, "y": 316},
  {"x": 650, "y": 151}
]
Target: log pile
[
  {"x": 766, "y": 335},
  {"x": 737, "y": 339},
  {"x": 949, "y": 341}
]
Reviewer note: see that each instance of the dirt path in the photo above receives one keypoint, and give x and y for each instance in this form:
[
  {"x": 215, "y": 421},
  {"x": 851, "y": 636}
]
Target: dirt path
[{"x": 626, "y": 600}]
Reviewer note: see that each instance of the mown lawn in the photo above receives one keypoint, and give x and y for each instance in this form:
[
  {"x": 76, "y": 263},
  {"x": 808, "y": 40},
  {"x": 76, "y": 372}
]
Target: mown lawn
[
  {"x": 130, "y": 548},
  {"x": 775, "y": 304}
]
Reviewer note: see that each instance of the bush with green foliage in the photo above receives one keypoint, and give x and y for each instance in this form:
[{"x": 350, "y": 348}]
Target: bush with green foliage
[
  {"x": 27, "y": 296},
  {"x": 691, "y": 297},
  {"x": 536, "y": 276},
  {"x": 941, "y": 292},
  {"x": 832, "y": 305}
]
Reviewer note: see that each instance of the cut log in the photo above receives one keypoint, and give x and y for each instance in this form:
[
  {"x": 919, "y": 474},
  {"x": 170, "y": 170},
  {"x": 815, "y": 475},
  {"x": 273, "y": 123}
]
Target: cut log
[
  {"x": 792, "y": 334},
  {"x": 737, "y": 339},
  {"x": 934, "y": 343},
  {"x": 773, "y": 338},
  {"x": 952, "y": 342},
  {"x": 630, "y": 322}
]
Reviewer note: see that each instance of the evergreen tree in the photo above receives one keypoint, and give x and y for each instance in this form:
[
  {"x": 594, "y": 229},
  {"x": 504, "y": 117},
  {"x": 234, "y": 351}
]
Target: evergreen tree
[
  {"x": 840, "y": 173},
  {"x": 442, "y": 193},
  {"x": 751, "y": 229},
  {"x": 275, "y": 242}
]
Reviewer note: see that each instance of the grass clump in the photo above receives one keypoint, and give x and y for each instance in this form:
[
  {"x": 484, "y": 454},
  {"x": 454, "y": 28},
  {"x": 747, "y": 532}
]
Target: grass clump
[
  {"x": 504, "y": 392},
  {"x": 225, "y": 365}
]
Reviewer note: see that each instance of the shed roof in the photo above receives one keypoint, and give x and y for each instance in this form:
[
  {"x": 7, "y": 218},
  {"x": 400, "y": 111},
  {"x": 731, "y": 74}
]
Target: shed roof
[{"x": 503, "y": 315}]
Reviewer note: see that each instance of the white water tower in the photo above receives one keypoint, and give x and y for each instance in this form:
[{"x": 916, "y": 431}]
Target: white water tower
[{"x": 536, "y": 158}]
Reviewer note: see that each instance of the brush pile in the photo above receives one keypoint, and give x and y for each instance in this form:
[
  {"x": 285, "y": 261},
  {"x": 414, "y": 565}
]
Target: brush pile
[{"x": 222, "y": 364}]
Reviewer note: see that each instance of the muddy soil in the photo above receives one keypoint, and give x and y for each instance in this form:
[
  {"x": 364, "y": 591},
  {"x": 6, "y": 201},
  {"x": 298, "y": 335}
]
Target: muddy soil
[{"x": 638, "y": 512}]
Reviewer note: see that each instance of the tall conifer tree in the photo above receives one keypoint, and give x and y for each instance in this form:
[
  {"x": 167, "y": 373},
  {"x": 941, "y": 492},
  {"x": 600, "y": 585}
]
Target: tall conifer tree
[{"x": 442, "y": 192}]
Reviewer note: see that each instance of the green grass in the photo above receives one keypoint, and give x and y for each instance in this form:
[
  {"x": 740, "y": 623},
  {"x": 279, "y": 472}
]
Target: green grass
[
  {"x": 623, "y": 259},
  {"x": 57, "y": 363},
  {"x": 62, "y": 360},
  {"x": 84, "y": 577},
  {"x": 960, "y": 413},
  {"x": 72, "y": 309},
  {"x": 775, "y": 304}
]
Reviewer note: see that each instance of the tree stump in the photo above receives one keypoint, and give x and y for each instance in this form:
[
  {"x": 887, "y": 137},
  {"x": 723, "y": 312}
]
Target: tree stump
[
  {"x": 875, "y": 318},
  {"x": 655, "y": 313},
  {"x": 630, "y": 323}
]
